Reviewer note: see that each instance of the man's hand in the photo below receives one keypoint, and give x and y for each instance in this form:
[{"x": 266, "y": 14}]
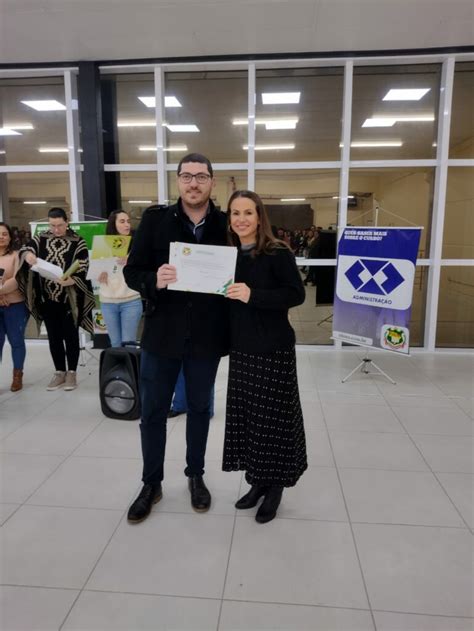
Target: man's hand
[
  {"x": 30, "y": 258},
  {"x": 239, "y": 291},
  {"x": 103, "y": 278},
  {"x": 65, "y": 282},
  {"x": 165, "y": 275}
]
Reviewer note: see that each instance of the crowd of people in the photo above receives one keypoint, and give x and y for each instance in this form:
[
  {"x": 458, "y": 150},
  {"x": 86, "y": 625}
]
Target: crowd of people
[{"x": 185, "y": 333}]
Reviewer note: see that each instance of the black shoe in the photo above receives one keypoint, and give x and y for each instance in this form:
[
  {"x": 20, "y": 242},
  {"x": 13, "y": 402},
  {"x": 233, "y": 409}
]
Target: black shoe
[
  {"x": 141, "y": 507},
  {"x": 269, "y": 506},
  {"x": 174, "y": 413},
  {"x": 250, "y": 499},
  {"x": 200, "y": 496}
]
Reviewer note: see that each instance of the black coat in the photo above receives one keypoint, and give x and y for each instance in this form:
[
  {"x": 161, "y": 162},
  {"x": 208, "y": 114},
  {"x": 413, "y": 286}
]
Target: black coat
[
  {"x": 172, "y": 317},
  {"x": 261, "y": 325}
]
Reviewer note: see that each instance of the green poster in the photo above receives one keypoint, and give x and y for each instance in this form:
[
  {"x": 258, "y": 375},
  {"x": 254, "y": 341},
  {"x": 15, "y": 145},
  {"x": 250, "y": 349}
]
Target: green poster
[{"x": 86, "y": 229}]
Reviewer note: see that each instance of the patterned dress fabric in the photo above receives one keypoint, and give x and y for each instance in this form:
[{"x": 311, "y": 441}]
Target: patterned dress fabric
[{"x": 264, "y": 423}]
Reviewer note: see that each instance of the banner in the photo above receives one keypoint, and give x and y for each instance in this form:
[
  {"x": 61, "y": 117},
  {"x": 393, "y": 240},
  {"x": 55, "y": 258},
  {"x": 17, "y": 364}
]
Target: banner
[
  {"x": 374, "y": 287},
  {"x": 86, "y": 229}
]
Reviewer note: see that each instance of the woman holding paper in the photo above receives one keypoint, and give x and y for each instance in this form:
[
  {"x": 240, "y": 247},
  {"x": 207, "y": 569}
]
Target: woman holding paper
[
  {"x": 13, "y": 312},
  {"x": 64, "y": 304},
  {"x": 264, "y": 433},
  {"x": 121, "y": 306}
]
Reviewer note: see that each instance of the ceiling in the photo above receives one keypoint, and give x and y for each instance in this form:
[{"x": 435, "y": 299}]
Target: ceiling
[{"x": 58, "y": 30}]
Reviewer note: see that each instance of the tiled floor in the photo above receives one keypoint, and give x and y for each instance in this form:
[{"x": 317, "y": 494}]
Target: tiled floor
[{"x": 377, "y": 534}]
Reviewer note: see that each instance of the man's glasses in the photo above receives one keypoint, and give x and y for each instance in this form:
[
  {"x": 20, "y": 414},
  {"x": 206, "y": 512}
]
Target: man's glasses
[{"x": 187, "y": 178}]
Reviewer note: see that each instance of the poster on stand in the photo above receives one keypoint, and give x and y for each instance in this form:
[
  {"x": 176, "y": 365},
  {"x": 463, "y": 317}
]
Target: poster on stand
[{"x": 374, "y": 287}]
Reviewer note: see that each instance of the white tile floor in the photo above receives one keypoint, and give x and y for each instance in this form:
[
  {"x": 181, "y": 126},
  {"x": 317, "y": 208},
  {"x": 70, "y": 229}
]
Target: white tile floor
[{"x": 377, "y": 534}]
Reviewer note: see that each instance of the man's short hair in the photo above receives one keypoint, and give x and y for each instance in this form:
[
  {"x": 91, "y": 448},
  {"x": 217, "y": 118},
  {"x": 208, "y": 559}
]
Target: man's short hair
[{"x": 196, "y": 157}]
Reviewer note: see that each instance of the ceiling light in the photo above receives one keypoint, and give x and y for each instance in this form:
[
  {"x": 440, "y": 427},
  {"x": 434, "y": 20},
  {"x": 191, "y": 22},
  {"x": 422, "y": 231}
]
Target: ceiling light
[
  {"x": 415, "y": 118},
  {"x": 170, "y": 101},
  {"x": 2, "y": 152},
  {"x": 293, "y": 199},
  {"x": 21, "y": 127},
  {"x": 150, "y": 123},
  {"x": 280, "y": 98},
  {"x": 6, "y": 131},
  {"x": 414, "y": 94},
  {"x": 45, "y": 106},
  {"x": 348, "y": 197},
  {"x": 289, "y": 124},
  {"x": 270, "y": 147},
  {"x": 53, "y": 149},
  {"x": 270, "y": 123},
  {"x": 170, "y": 148},
  {"x": 140, "y": 201},
  {"x": 376, "y": 143},
  {"x": 35, "y": 202},
  {"x": 379, "y": 122},
  {"x": 183, "y": 128}
]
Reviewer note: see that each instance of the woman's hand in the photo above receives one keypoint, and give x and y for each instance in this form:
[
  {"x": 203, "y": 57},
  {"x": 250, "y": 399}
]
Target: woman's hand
[
  {"x": 4, "y": 302},
  {"x": 65, "y": 282},
  {"x": 165, "y": 275},
  {"x": 30, "y": 258},
  {"x": 239, "y": 291},
  {"x": 103, "y": 278},
  {"x": 122, "y": 260}
]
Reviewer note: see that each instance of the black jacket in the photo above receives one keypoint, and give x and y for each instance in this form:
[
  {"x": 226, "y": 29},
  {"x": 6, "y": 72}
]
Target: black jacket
[
  {"x": 261, "y": 325},
  {"x": 172, "y": 317}
]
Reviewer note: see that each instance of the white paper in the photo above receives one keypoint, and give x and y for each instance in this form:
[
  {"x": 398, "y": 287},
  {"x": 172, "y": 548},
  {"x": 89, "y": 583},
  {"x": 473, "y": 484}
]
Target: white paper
[
  {"x": 208, "y": 269},
  {"x": 97, "y": 266},
  {"x": 47, "y": 270}
]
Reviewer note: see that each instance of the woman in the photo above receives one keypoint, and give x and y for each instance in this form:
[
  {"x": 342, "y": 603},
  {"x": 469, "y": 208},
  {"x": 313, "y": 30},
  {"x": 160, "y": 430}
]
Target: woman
[
  {"x": 13, "y": 312},
  {"x": 63, "y": 304},
  {"x": 121, "y": 306},
  {"x": 264, "y": 425}
]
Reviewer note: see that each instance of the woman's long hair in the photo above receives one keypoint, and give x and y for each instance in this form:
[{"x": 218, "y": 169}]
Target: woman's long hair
[
  {"x": 111, "y": 227},
  {"x": 10, "y": 246},
  {"x": 266, "y": 241}
]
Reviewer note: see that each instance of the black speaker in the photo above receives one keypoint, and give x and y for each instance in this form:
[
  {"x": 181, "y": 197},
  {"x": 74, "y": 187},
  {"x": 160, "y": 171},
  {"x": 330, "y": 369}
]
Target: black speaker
[{"x": 119, "y": 383}]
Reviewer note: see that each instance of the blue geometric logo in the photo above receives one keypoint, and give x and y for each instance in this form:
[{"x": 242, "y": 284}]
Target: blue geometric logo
[{"x": 369, "y": 276}]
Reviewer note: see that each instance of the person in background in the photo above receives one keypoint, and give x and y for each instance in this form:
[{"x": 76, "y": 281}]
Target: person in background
[
  {"x": 188, "y": 329},
  {"x": 264, "y": 432},
  {"x": 13, "y": 312},
  {"x": 64, "y": 304},
  {"x": 121, "y": 306}
]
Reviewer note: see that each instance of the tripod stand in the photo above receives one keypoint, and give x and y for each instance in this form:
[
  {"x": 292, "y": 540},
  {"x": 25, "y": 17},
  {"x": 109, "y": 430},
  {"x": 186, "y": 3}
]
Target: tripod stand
[
  {"x": 85, "y": 354},
  {"x": 364, "y": 367}
]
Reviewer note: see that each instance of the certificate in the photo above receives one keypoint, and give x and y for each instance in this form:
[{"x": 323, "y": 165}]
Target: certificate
[
  {"x": 106, "y": 249},
  {"x": 207, "y": 269}
]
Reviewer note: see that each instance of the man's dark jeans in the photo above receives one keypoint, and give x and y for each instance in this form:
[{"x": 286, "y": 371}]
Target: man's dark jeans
[{"x": 158, "y": 377}]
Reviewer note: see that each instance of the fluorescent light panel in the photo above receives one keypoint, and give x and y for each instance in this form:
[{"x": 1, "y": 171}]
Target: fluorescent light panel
[
  {"x": 389, "y": 121},
  {"x": 408, "y": 94},
  {"x": 376, "y": 143},
  {"x": 271, "y": 147},
  {"x": 183, "y": 128},
  {"x": 280, "y": 98},
  {"x": 270, "y": 123},
  {"x": 170, "y": 101},
  {"x": 150, "y": 123},
  {"x": 140, "y": 201},
  {"x": 20, "y": 127},
  {"x": 45, "y": 105},
  {"x": 35, "y": 202},
  {"x": 293, "y": 199},
  {"x": 170, "y": 148},
  {"x": 7, "y": 131}
]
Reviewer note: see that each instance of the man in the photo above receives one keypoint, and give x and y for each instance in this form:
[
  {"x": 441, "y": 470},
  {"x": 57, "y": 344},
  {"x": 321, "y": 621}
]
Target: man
[{"x": 181, "y": 328}]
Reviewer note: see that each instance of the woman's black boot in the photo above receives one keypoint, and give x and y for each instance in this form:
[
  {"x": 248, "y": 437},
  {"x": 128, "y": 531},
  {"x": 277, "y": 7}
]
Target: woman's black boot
[
  {"x": 269, "y": 506},
  {"x": 250, "y": 499}
]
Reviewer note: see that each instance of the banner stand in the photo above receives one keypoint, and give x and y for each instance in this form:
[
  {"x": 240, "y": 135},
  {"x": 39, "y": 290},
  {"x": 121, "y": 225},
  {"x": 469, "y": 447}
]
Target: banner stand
[
  {"x": 85, "y": 354},
  {"x": 364, "y": 367}
]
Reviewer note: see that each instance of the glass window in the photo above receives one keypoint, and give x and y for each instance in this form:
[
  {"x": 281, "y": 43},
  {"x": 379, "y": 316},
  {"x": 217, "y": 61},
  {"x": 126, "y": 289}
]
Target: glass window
[
  {"x": 458, "y": 238},
  {"x": 298, "y": 114},
  {"x": 403, "y": 197},
  {"x": 128, "y": 118},
  {"x": 394, "y": 112},
  {"x": 226, "y": 183},
  {"x": 312, "y": 321},
  {"x": 203, "y": 121},
  {"x": 33, "y": 121},
  {"x": 461, "y": 142},
  {"x": 138, "y": 191},
  {"x": 418, "y": 306},
  {"x": 455, "y": 327}
]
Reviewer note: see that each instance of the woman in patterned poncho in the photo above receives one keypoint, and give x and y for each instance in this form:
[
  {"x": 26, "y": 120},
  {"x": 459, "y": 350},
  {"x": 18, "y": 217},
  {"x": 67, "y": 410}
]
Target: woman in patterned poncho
[{"x": 64, "y": 305}]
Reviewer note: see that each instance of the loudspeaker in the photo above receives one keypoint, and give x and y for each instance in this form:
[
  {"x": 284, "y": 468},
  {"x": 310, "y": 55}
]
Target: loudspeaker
[{"x": 119, "y": 383}]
